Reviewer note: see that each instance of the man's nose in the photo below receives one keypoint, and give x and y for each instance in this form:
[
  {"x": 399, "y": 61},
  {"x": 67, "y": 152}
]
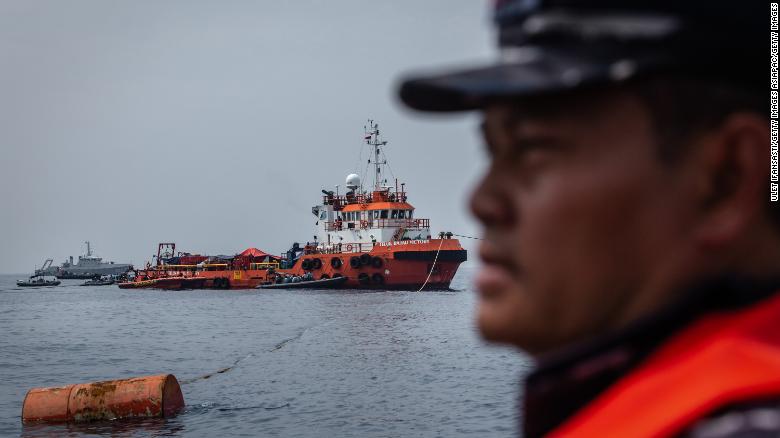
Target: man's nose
[{"x": 489, "y": 201}]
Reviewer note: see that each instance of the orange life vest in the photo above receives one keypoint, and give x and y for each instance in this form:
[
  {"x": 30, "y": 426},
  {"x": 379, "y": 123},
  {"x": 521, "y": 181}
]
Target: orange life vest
[{"x": 721, "y": 359}]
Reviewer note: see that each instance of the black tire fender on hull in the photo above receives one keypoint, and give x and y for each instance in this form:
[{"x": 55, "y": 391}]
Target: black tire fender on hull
[
  {"x": 221, "y": 283},
  {"x": 354, "y": 262}
]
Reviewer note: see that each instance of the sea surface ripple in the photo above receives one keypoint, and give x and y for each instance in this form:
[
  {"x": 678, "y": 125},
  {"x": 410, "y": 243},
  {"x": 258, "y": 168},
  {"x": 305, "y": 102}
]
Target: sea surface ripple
[{"x": 265, "y": 363}]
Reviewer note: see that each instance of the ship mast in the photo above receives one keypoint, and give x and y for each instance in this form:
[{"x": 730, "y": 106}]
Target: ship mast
[{"x": 372, "y": 139}]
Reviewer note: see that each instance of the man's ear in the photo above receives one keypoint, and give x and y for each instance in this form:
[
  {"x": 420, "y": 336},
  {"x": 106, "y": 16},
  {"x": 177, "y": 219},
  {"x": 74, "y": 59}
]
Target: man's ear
[{"x": 732, "y": 163}]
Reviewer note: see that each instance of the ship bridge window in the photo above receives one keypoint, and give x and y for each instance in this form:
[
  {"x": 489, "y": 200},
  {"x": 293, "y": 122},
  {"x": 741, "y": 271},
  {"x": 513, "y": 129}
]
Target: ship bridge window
[
  {"x": 376, "y": 214},
  {"x": 323, "y": 214},
  {"x": 383, "y": 214},
  {"x": 409, "y": 214},
  {"x": 394, "y": 214},
  {"x": 401, "y": 214}
]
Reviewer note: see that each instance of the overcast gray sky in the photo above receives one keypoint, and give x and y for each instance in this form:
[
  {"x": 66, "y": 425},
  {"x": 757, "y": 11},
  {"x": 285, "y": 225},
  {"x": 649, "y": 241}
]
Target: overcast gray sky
[{"x": 216, "y": 124}]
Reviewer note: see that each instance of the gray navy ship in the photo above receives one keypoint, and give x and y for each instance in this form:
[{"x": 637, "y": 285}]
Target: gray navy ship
[{"x": 88, "y": 266}]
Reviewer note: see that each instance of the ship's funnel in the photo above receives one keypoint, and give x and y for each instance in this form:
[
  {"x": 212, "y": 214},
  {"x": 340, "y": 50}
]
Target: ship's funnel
[{"x": 353, "y": 181}]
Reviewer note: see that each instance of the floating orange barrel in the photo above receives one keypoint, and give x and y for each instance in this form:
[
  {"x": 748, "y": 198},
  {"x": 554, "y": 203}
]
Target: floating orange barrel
[{"x": 150, "y": 396}]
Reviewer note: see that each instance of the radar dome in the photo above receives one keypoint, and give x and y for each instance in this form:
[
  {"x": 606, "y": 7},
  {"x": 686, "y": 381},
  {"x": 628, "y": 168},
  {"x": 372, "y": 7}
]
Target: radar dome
[{"x": 353, "y": 181}]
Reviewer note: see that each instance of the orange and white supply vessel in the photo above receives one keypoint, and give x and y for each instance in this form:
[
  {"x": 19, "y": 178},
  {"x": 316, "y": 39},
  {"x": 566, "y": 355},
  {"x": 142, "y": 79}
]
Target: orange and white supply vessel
[{"x": 373, "y": 237}]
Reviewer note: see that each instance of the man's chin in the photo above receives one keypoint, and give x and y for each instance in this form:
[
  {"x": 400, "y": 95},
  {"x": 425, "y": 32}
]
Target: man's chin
[{"x": 492, "y": 325}]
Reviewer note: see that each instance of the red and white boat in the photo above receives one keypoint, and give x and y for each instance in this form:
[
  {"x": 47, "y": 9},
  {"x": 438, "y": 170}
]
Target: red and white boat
[{"x": 372, "y": 237}]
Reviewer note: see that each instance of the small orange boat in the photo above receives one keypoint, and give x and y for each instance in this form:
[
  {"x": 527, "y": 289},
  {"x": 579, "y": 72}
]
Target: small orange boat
[{"x": 372, "y": 237}]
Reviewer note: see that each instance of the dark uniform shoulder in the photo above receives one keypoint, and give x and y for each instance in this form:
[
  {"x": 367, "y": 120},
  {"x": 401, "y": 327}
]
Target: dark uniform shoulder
[{"x": 749, "y": 420}]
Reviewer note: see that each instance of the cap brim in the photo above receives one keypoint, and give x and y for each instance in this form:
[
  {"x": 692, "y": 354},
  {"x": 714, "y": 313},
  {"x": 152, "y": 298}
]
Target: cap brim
[{"x": 535, "y": 71}]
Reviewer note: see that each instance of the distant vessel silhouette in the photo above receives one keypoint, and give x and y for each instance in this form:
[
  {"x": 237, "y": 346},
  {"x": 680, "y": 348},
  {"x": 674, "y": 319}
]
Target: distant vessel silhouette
[{"x": 87, "y": 266}]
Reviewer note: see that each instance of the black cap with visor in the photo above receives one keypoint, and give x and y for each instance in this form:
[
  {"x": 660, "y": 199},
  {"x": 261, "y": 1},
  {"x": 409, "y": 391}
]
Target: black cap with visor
[{"x": 551, "y": 46}]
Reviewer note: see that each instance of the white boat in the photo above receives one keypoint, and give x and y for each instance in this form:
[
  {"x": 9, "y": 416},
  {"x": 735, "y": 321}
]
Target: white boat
[{"x": 38, "y": 281}]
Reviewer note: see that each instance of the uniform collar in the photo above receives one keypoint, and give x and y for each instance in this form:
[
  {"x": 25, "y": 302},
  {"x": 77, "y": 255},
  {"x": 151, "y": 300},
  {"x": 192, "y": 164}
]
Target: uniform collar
[{"x": 568, "y": 379}]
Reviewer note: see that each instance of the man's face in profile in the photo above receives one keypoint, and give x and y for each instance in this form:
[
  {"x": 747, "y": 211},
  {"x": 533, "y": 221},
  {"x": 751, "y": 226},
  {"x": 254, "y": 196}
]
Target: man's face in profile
[{"x": 578, "y": 210}]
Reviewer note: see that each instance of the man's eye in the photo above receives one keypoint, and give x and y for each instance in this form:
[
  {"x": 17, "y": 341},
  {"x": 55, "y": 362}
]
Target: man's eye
[
  {"x": 525, "y": 149},
  {"x": 535, "y": 143}
]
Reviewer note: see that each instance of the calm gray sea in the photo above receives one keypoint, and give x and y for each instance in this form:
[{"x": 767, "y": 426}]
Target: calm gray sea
[{"x": 301, "y": 363}]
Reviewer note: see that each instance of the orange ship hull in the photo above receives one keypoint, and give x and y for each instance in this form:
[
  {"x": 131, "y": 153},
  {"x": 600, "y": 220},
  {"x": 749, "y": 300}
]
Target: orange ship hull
[{"x": 388, "y": 265}]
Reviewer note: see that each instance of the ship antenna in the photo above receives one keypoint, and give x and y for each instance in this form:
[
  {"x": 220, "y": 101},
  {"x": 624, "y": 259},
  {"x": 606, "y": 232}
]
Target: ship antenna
[
  {"x": 89, "y": 251},
  {"x": 372, "y": 139}
]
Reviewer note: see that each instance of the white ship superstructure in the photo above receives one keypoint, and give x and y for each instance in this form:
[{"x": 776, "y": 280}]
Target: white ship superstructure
[{"x": 361, "y": 216}]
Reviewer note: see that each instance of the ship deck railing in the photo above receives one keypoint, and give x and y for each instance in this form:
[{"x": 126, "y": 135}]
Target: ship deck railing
[
  {"x": 213, "y": 267},
  {"x": 175, "y": 267},
  {"x": 409, "y": 224},
  {"x": 264, "y": 265},
  {"x": 344, "y": 248},
  {"x": 340, "y": 201},
  {"x": 203, "y": 267}
]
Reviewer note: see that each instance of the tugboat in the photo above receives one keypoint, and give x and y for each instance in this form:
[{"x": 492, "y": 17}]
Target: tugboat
[
  {"x": 372, "y": 237},
  {"x": 38, "y": 281}
]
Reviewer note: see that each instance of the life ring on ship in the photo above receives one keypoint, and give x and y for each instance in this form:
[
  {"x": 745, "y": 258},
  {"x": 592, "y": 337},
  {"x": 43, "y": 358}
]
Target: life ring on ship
[
  {"x": 306, "y": 264},
  {"x": 335, "y": 263},
  {"x": 377, "y": 278},
  {"x": 349, "y": 247},
  {"x": 363, "y": 278},
  {"x": 376, "y": 262},
  {"x": 365, "y": 259},
  {"x": 354, "y": 262},
  {"x": 316, "y": 263}
]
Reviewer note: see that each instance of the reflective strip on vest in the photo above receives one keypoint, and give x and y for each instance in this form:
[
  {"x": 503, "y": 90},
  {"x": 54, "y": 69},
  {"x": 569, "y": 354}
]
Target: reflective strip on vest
[{"x": 719, "y": 360}]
